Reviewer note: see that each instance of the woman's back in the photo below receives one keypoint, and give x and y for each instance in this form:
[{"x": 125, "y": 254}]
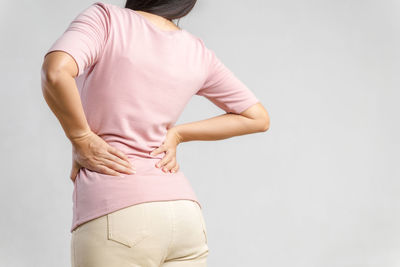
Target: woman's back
[{"x": 135, "y": 80}]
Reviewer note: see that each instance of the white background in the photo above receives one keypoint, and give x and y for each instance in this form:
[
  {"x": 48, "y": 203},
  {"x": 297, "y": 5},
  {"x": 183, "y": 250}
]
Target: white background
[{"x": 320, "y": 188}]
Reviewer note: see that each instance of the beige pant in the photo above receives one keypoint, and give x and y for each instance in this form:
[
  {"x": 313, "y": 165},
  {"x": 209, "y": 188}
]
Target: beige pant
[{"x": 151, "y": 234}]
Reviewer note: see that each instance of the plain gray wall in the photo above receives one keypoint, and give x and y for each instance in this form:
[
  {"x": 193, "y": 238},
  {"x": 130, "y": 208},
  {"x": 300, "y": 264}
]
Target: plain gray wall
[{"x": 320, "y": 188}]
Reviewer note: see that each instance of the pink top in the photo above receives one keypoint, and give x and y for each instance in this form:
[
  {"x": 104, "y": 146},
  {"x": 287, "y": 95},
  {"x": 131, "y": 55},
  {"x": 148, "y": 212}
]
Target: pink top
[{"x": 134, "y": 80}]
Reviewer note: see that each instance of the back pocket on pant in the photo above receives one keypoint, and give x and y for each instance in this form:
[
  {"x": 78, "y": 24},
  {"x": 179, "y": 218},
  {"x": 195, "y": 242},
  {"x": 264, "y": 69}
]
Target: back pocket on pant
[{"x": 128, "y": 226}]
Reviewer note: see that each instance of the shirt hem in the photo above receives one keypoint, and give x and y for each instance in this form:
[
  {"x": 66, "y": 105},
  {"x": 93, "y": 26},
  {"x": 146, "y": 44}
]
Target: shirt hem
[{"x": 113, "y": 208}]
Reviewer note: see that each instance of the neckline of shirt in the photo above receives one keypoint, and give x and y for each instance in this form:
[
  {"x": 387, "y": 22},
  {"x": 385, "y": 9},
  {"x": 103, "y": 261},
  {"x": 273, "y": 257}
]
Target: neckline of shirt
[{"x": 154, "y": 27}]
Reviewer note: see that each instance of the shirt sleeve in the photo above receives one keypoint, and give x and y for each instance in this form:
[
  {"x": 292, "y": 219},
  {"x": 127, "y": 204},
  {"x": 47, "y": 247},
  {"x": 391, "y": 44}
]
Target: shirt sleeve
[
  {"x": 86, "y": 36},
  {"x": 224, "y": 89}
]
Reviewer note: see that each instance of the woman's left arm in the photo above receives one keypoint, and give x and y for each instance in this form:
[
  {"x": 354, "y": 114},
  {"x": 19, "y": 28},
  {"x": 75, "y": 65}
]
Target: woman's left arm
[
  {"x": 76, "y": 50},
  {"x": 61, "y": 94}
]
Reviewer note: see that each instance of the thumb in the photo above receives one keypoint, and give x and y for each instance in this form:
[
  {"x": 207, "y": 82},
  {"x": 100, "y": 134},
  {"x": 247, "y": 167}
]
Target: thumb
[{"x": 74, "y": 170}]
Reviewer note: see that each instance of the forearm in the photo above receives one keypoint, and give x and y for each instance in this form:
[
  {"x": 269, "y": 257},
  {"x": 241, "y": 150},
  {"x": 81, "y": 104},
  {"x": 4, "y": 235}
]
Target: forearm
[
  {"x": 62, "y": 96},
  {"x": 217, "y": 128}
]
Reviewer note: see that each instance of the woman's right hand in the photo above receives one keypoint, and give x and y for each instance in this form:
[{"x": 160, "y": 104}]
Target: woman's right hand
[{"x": 92, "y": 152}]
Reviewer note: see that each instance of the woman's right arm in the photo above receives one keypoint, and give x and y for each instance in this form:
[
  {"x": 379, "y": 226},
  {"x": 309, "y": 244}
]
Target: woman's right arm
[
  {"x": 253, "y": 120},
  {"x": 244, "y": 112}
]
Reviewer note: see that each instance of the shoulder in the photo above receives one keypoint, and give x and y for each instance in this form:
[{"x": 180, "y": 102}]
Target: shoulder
[
  {"x": 96, "y": 11},
  {"x": 208, "y": 55},
  {"x": 200, "y": 45},
  {"x": 108, "y": 10},
  {"x": 197, "y": 40},
  {"x": 114, "y": 8},
  {"x": 99, "y": 6},
  {"x": 117, "y": 13}
]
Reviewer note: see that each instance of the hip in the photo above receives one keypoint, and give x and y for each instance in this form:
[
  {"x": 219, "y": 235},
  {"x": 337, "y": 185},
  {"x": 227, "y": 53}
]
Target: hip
[{"x": 155, "y": 231}]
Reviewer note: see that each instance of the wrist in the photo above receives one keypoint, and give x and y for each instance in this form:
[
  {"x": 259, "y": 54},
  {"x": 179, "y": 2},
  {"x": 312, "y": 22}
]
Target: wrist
[
  {"x": 77, "y": 137},
  {"x": 177, "y": 135}
]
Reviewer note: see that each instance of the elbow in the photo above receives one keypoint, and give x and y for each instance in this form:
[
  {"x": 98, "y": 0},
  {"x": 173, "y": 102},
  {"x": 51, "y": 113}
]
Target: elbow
[
  {"x": 261, "y": 118},
  {"x": 260, "y": 123},
  {"x": 264, "y": 122},
  {"x": 265, "y": 125}
]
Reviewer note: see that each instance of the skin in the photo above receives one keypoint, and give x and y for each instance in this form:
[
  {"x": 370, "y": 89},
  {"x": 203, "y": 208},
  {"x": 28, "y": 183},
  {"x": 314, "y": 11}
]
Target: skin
[{"x": 90, "y": 151}]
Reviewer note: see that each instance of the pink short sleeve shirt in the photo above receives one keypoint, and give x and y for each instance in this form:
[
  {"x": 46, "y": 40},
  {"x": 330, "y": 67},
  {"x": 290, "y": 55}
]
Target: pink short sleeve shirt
[{"x": 134, "y": 80}]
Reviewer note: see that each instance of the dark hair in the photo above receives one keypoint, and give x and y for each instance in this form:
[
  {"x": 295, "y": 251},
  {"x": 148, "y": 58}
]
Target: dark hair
[{"x": 169, "y": 9}]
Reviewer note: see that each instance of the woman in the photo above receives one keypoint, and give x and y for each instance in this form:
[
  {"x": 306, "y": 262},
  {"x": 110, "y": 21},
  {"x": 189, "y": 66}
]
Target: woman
[{"x": 117, "y": 79}]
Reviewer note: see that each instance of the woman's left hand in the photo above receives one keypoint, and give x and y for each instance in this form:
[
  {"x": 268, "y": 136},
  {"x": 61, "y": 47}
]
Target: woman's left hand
[{"x": 168, "y": 163}]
